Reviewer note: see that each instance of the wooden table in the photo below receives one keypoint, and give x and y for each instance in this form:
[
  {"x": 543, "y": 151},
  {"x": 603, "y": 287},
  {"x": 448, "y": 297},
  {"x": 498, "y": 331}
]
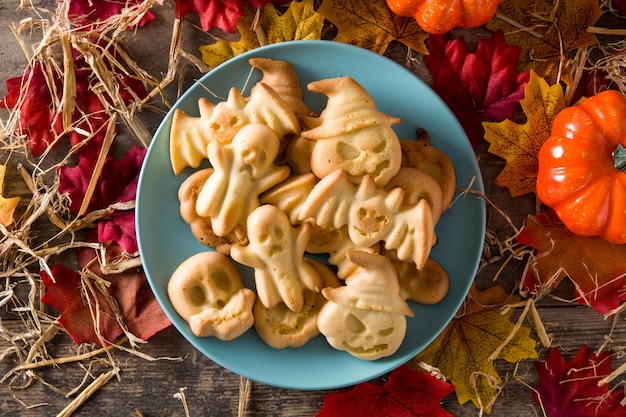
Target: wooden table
[{"x": 157, "y": 387}]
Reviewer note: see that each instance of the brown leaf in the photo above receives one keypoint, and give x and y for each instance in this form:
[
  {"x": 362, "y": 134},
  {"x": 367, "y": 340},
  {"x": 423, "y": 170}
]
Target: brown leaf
[
  {"x": 371, "y": 25},
  {"x": 548, "y": 35}
]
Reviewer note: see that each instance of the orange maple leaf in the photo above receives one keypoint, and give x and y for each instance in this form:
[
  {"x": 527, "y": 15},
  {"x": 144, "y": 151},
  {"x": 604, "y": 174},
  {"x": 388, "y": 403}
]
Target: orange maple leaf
[
  {"x": 547, "y": 34},
  {"x": 372, "y": 25},
  {"x": 463, "y": 351},
  {"x": 595, "y": 266},
  {"x": 519, "y": 144},
  {"x": 7, "y": 205}
]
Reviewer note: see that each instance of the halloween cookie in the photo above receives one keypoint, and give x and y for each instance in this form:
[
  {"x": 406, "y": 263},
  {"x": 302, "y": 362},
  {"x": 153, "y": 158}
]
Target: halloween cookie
[
  {"x": 422, "y": 155},
  {"x": 189, "y": 138},
  {"x": 352, "y": 135},
  {"x": 428, "y": 285},
  {"x": 206, "y": 290},
  {"x": 242, "y": 170},
  {"x": 276, "y": 252},
  {"x": 367, "y": 316},
  {"x": 280, "y": 327},
  {"x": 282, "y": 78},
  {"x": 201, "y": 226}
]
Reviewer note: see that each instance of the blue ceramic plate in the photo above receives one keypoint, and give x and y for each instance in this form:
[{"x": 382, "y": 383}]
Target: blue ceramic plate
[{"x": 165, "y": 240}]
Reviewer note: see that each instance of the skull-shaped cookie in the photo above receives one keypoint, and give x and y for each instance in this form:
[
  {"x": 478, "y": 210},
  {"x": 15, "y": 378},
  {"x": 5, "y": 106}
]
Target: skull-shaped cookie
[
  {"x": 367, "y": 316},
  {"x": 206, "y": 290}
]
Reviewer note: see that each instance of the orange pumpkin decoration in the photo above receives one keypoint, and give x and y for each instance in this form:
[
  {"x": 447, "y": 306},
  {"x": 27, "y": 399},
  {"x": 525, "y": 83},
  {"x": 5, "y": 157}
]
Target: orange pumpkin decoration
[
  {"x": 581, "y": 167},
  {"x": 439, "y": 16}
]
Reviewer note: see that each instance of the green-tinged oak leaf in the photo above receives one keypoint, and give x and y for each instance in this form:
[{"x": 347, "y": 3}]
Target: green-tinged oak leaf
[
  {"x": 463, "y": 351},
  {"x": 519, "y": 144},
  {"x": 371, "y": 25},
  {"x": 299, "y": 22},
  {"x": 547, "y": 34}
]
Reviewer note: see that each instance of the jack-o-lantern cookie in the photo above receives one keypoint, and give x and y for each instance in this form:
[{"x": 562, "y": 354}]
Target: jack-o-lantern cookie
[
  {"x": 352, "y": 135},
  {"x": 367, "y": 316},
  {"x": 206, "y": 290}
]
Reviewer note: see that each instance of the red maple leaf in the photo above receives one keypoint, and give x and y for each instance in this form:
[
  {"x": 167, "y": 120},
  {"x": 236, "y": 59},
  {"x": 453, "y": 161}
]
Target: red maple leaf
[
  {"x": 117, "y": 184},
  {"x": 595, "y": 266},
  {"x": 63, "y": 292},
  {"x": 95, "y": 12},
  {"x": 407, "y": 393},
  {"x": 79, "y": 306},
  {"x": 222, "y": 14},
  {"x": 39, "y": 121},
  {"x": 621, "y": 6},
  {"x": 483, "y": 85},
  {"x": 570, "y": 389}
]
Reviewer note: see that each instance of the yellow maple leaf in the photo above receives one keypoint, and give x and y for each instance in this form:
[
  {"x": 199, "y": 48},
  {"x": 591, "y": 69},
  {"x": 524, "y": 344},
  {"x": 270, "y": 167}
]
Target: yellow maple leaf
[
  {"x": 299, "y": 22},
  {"x": 7, "y": 205},
  {"x": 548, "y": 35},
  {"x": 463, "y": 351},
  {"x": 372, "y": 25},
  {"x": 519, "y": 144}
]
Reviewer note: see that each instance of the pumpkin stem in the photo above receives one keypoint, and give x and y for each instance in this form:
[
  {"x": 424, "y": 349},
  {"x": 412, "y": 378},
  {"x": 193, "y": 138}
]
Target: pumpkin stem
[{"x": 619, "y": 157}]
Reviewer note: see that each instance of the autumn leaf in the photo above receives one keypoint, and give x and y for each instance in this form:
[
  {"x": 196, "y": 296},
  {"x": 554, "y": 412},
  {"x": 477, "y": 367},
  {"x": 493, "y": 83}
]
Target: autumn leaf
[
  {"x": 7, "y": 205},
  {"x": 40, "y": 121},
  {"x": 519, "y": 144},
  {"x": 463, "y": 351},
  {"x": 299, "y": 22},
  {"x": 142, "y": 313},
  {"x": 88, "y": 310},
  {"x": 64, "y": 291},
  {"x": 595, "y": 266},
  {"x": 117, "y": 184},
  {"x": 483, "y": 85},
  {"x": 97, "y": 12},
  {"x": 406, "y": 393},
  {"x": 222, "y": 14},
  {"x": 572, "y": 389},
  {"x": 621, "y": 6},
  {"x": 548, "y": 35},
  {"x": 372, "y": 25}
]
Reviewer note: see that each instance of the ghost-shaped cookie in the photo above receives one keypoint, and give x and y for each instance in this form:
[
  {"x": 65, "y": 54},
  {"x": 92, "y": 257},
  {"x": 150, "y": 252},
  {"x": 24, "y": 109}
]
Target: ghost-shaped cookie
[{"x": 276, "y": 252}]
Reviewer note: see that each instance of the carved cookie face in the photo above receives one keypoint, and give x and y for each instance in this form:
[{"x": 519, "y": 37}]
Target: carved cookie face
[
  {"x": 256, "y": 145},
  {"x": 204, "y": 281},
  {"x": 373, "y": 150},
  {"x": 370, "y": 221},
  {"x": 365, "y": 334}
]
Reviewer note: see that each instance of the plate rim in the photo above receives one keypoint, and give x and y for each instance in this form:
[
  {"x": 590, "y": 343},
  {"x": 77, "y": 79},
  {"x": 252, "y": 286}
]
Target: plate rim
[{"x": 160, "y": 131}]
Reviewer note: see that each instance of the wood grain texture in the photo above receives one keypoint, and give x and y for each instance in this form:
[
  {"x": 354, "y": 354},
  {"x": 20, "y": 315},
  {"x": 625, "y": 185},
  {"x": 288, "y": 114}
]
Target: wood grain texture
[{"x": 150, "y": 388}]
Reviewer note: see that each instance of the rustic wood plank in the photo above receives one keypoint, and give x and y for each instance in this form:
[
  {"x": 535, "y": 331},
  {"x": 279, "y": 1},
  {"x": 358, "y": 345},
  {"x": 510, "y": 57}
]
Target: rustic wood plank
[{"x": 150, "y": 387}]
